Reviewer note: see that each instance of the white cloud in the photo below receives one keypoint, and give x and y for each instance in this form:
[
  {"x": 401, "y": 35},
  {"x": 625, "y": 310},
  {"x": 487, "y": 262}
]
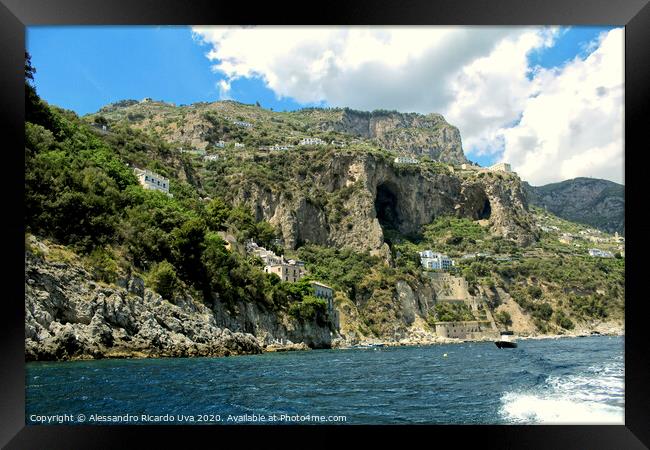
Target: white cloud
[
  {"x": 404, "y": 68},
  {"x": 574, "y": 126},
  {"x": 479, "y": 78}
]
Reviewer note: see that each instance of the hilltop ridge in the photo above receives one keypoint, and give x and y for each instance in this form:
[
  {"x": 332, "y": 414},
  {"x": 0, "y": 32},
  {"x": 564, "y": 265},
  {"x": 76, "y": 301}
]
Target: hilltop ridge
[{"x": 200, "y": 125}]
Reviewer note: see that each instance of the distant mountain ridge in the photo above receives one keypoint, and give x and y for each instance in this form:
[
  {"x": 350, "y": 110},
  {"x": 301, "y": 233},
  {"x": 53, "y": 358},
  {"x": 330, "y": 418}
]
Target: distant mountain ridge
[{"x": 591, "y": 201}]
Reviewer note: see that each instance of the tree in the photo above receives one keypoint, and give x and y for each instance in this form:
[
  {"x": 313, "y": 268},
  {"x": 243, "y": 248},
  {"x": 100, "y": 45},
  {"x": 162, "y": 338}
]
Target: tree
[
  {"x": 29, "y": 69},
  {"x": 217, "y": 213},
  {"x": 187, "y": 245},
  {"x": 101, "y": 120},
  {"x": 35, "y": 110}
]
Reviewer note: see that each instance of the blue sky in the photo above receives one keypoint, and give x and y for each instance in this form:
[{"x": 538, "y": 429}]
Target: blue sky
[{"x": 84, "y": 68}]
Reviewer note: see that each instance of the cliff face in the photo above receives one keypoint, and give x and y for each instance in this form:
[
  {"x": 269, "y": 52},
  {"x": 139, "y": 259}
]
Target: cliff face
[
  {"x": 599, "y": 203},
  {"x": 69, "y": 316},
  {"x": 413, "y": 134},
  {"x": 374, "y": 194}
]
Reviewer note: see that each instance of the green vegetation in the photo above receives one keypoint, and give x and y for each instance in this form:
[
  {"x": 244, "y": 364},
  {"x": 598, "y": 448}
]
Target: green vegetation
[
  {"x": 163, "y": 279},
  {"x": 503, "y": 317},
  {"x": 453, "y": 312},
  {"x": 310, "y": 308}
]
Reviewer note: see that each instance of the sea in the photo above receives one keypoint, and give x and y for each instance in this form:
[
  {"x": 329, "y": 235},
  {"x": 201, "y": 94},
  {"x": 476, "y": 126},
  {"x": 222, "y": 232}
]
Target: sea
[{"x": 545, "y": 381}]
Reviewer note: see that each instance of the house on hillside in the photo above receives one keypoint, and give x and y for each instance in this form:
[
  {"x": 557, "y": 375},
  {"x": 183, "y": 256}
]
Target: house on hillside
[
  {"x": 325, "y": 292},
  {"x": 286, "y": 271},
  {"x": 598, "y": 253},
  {"x": 312, "y": 141},
  {"x": 151, "y": 180},
  {"x": 405, "y": 160},
  {"x": 435, "y": 261}
]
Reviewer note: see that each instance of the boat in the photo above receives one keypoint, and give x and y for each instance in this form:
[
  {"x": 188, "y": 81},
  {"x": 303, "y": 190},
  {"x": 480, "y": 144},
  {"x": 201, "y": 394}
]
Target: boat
[{"x": 506, "y": 340}]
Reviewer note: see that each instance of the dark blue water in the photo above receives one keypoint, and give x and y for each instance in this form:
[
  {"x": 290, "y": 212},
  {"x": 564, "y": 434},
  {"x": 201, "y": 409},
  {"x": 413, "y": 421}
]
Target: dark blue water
[{"x": 572, "y": 380}]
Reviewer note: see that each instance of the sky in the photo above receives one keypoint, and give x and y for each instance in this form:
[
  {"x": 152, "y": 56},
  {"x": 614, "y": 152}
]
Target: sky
[{"x": 547, "y": 100}]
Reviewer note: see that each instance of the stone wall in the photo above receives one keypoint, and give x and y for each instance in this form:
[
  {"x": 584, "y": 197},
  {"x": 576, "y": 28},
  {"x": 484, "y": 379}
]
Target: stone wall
[{"x": 466, "y": 329}]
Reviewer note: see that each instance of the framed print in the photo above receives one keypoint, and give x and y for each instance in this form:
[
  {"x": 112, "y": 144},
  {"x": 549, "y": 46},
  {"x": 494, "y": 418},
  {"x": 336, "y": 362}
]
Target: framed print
[{"x": 411, "y": 217}]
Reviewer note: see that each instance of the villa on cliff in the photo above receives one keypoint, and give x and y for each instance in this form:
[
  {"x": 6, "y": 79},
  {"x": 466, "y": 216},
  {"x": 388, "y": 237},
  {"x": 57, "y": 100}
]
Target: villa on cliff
[
  {"x": 290, "y": 271},
  {"x": 435, "y": 261},
  {"x": 405, "y": 160},
  {"x": 501, "y": 167},
  {"x": 325, "y": 292}
]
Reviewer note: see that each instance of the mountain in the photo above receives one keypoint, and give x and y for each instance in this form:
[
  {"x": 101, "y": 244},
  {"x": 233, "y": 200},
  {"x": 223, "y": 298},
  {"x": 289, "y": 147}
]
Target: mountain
[
  {"x": 112, "y": 269},
  {"x": 591, "y": 201},
  {"x": 200, "y": 125}
]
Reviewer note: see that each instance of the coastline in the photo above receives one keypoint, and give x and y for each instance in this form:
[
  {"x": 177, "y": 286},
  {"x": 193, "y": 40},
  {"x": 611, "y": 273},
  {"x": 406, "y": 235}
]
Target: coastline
[{"x": 301, "y": 347}]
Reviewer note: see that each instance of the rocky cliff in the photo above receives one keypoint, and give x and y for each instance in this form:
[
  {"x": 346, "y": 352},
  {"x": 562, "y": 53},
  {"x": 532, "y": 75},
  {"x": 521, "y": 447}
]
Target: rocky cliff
[
  {"x": 70, "y": 316},
  {"x": 599, "y": 203},
  {"x": 412, "y": 134},
  {"x": 351, "y": 198}
]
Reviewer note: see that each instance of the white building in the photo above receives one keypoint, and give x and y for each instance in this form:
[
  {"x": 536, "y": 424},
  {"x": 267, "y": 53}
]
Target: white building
[
  {"x": 241, "y": 123},
  {"x": 325, "y": 292},
  {"x": 238, "y": 145},
  {"x": 280, "y": 147},
  {"x": 469, "y": 167},
  {"x": 211, "y": 157},
  {"x": 433, "y": 260},
  {"x": 220, "y": 144},
  {"x": 405, "y": 160},
  {"x": 151, "y": 180},
  {"x": 286, "y": 272},
  {"x": 600, "y": 253},
  {"x": 501, "y": 167},
  {"x": 312, "y": 141}
]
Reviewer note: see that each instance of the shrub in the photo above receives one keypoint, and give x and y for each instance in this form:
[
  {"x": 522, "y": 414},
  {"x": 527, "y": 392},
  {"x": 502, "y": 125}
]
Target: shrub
[
  {"x": 503, "y": 317},
  {"x": 535, "y": 291},
  {"x": 543, "y": 311},
  {"x": 562, "y": 320},
  {"x": 162, "y": 278},
  {"x": 102, "y": 265}
]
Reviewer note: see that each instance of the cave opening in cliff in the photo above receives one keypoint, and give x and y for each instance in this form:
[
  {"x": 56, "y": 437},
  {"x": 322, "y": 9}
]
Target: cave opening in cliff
[
  {"x": 386, "y": 207},
  {"x": 485, "y": 211}
]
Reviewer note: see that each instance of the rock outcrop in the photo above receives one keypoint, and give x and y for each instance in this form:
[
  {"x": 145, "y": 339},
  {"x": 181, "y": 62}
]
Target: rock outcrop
[
  {"x": 69, "y": 316},
  {"x": 412, "y": 134}
]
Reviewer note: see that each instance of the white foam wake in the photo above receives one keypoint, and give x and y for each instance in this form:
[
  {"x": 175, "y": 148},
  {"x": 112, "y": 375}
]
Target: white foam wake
[{"x": 595, "y": 397}]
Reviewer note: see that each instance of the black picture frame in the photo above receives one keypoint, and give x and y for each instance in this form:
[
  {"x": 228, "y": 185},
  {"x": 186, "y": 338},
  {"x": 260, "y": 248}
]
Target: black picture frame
[{"x": 15, "y": 15}]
